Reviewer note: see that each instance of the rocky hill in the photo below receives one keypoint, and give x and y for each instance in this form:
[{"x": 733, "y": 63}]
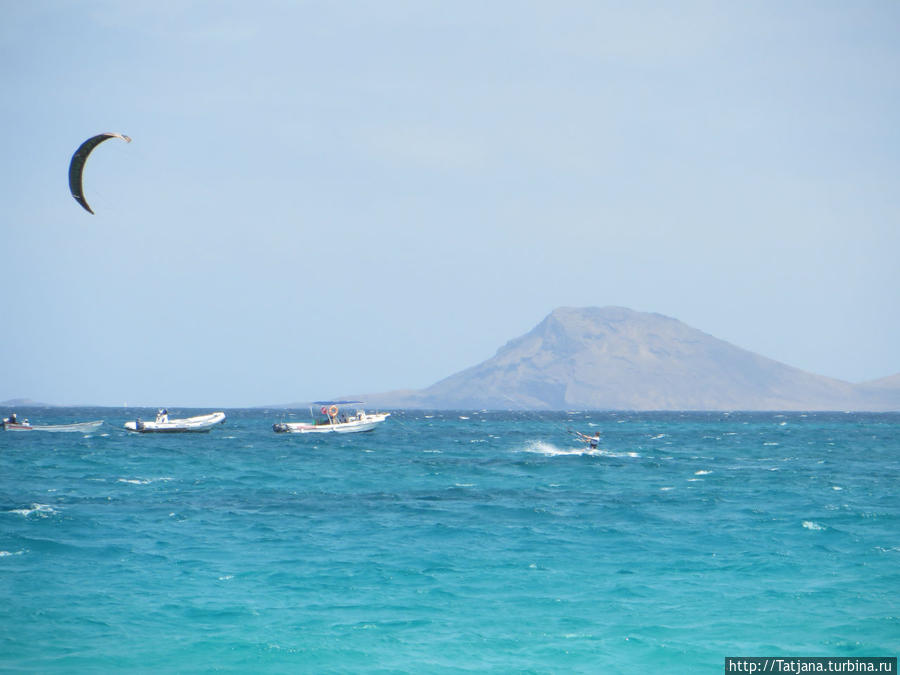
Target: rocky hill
[{"x": 616, "y": 358}]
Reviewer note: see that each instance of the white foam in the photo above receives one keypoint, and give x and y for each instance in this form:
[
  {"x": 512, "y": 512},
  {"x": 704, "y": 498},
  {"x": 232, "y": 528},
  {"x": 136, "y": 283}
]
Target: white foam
[
  {"x": 143, "y": 481},
  {"x": 544, "y": 448},
  {"x": 4, "y": 554},
  {"x": 836, "y": 487},
  {"x": 810, "y": 525},
  {"x": 43, "y": 510},
  {"x": 702, "y": 472},
  {"x": 550, "y": 450}
]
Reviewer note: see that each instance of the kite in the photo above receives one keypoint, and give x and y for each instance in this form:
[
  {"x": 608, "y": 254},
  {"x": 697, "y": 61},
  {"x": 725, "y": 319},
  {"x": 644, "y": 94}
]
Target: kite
[{"x": 76, "y": 166}]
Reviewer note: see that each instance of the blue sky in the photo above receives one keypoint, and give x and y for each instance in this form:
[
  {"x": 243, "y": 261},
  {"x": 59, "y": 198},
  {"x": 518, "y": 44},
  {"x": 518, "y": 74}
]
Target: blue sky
[{"x": 336, "y": 198}]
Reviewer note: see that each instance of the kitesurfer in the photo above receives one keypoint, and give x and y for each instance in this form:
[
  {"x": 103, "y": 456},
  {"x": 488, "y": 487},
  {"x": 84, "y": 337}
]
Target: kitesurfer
[{"x": 593, "y": 441}]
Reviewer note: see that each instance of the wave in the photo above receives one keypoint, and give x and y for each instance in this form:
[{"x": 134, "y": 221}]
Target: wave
[
  {"x": 42, "y": 510},
  {"x": 811, "y": 525},
  {"x": 141, "y": 481},
  {"x": 550, "y": 450}
]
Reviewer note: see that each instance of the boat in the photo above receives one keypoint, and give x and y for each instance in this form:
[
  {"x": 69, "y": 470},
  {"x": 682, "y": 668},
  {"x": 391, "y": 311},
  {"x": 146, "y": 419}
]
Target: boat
[
  {"x": 163, "y": 424},
  {"x": 333, "y": 421},
  {"x": 12, "y": 423}
]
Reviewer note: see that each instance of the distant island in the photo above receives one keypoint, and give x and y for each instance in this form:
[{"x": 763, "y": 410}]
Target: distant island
[
  {"x": 614, "y": 358},
  {"x": 24, "y": 403}
]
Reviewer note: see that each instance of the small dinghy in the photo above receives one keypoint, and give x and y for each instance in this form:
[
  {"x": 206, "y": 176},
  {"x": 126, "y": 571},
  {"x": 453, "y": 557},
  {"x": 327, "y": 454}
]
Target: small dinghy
[{"x": 163, "y": 425}]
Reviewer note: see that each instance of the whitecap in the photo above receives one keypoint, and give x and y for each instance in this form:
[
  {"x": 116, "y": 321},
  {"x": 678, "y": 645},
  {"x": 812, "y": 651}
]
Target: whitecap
[
  {"x": 702, "y": 472},
  {"x": 810, "y": 525},
  {"x": 608, "y": 453},
  {"x": 463, "y": 417},
  {"x": 836, "y": 487},
  {"x": 666, "y": 489},
  {"x": 4, "y": 554},
  {"x": 144, "y": 481},
  {"x": 43, "y": 510}
]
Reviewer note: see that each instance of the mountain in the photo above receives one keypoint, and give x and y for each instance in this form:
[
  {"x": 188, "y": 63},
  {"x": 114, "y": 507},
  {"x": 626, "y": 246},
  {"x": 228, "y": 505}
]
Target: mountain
[
  {"x": 619, "y": 359},
  {"x": 885, "y": 392}
]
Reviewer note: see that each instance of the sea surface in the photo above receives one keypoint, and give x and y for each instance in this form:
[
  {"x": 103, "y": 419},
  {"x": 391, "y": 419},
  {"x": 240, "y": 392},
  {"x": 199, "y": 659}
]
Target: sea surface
[{"x": 449, "y": 542}]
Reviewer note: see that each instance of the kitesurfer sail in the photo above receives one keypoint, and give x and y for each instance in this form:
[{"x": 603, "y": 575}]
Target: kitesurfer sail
[{"x": 76, "y": 166}]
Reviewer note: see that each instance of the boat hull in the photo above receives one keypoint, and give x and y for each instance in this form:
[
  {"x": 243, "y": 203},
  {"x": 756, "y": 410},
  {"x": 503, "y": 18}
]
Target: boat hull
[
  {"x": 199, "y": 424},
  {"x": 16, "y": 426}
]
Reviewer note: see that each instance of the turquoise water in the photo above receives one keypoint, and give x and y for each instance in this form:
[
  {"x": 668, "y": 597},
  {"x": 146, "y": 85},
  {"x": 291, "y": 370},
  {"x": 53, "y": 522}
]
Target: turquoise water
[{"x": 450, "y": 542}]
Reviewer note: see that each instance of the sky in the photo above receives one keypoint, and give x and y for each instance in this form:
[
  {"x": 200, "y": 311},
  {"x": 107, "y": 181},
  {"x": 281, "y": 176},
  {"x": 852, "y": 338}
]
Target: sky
[{"x": 333, "y": 198}]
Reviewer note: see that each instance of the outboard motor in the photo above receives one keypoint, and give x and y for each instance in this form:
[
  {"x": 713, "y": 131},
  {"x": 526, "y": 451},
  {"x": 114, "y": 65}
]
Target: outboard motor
[{"x": 279, "y": 427}]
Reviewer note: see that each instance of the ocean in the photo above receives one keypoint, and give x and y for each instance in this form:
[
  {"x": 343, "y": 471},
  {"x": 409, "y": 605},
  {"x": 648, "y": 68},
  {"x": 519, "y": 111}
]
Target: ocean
[{"x": 449, "y": 542}]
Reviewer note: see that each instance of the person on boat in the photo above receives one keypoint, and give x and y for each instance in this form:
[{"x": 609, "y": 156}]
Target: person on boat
[
  {"x": 163, "y": 416},
  {"x": 13, "y": 419},
  {"x": 593, "y": 441}
]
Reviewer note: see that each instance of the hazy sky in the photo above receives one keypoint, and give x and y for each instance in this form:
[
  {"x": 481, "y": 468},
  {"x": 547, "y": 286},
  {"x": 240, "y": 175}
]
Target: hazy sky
[{"x": 327, "y": 198}]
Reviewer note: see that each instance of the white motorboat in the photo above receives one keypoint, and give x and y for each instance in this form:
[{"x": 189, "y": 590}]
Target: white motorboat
[
  {"x": 163, "y": 424},
  {"x": 334, "y": 421},
  {"x": 13, "y": 424}
]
